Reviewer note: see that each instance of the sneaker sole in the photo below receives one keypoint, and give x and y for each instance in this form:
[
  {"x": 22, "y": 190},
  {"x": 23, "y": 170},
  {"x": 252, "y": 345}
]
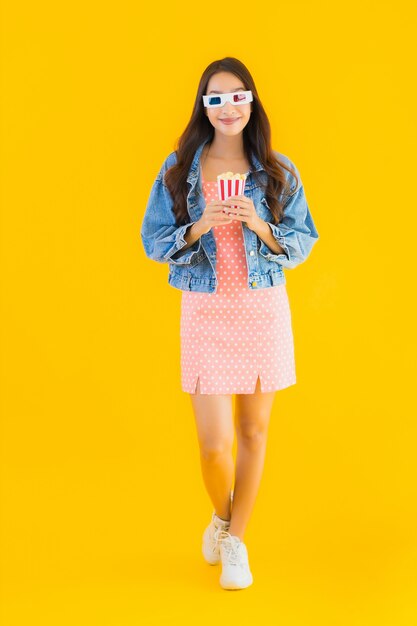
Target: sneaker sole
[{"x": 230, "y": 584}]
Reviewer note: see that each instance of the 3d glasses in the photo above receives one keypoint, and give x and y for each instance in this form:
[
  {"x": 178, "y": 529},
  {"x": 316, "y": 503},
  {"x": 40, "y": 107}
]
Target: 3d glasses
[{"x": 220, "y": 99}]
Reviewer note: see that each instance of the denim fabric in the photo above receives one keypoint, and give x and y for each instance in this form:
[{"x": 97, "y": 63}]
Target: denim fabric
[{"x": 194, "y": 269}]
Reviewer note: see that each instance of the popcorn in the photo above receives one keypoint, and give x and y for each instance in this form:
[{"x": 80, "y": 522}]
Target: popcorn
[{"x": 229, "y": 184}]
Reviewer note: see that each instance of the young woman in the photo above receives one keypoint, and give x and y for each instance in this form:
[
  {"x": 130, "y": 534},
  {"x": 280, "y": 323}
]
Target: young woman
[{"x": 227, "y": 257}]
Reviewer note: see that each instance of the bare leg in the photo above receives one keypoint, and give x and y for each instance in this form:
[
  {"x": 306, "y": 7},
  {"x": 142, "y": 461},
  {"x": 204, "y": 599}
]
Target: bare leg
[
  {"x": 215, "y": 431},
  {"x": 252, "y": 420}
]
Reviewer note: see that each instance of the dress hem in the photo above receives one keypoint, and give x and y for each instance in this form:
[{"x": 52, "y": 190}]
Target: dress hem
[{"x": 228, "y": 392}]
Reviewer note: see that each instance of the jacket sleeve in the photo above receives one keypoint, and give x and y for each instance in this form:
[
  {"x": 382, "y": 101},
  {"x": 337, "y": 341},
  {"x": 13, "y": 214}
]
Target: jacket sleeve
[
  {"x": 296, "y": 233},
  {"x": 162, "y": 239}
]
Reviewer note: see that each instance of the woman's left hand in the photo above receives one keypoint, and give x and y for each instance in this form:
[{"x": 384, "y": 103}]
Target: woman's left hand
[{"x": 244, "y": 213}]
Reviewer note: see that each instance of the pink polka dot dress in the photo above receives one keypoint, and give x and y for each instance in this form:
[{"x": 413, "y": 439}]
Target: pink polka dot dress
[{"x": 230, "y": 337}]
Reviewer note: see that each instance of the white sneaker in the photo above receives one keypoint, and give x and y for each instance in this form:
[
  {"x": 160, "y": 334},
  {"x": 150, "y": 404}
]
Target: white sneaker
[
  {"x": 236, "y": 573},
  {"x": 210, "y": 547}
]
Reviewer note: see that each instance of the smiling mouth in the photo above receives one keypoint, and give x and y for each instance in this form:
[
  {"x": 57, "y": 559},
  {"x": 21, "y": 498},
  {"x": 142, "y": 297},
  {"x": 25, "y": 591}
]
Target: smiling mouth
[{"x": 230, "y": 121}]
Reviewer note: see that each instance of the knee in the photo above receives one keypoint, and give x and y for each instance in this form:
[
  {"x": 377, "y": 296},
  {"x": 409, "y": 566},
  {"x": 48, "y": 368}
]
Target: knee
[
  {"x": 252, "y": 436},
  {"x": 213, "y": 451}
]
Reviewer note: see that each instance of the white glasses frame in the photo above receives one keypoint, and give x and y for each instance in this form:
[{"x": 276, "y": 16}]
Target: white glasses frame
[{"x": 227, "y": 97}]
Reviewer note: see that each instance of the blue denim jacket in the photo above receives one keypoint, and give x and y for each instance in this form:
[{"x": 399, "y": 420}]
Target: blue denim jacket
[{"x": 194, "y": 269}]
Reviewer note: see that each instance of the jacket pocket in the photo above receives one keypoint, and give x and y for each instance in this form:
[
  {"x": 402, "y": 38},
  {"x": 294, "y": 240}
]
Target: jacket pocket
[{"x": 196, "y": 260}]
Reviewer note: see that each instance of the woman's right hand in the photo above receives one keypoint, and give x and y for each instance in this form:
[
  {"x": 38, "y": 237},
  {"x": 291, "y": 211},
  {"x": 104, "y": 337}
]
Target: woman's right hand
[{"x": 213, "y": 215}]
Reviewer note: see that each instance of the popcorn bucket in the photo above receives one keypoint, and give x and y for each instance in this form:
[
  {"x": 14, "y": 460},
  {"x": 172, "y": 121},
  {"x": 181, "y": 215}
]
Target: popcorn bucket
[{"x": 229, "y": 184}]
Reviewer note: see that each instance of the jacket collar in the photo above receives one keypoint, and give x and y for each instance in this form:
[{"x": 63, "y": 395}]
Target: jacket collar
[{"x": 194, "y": 170}]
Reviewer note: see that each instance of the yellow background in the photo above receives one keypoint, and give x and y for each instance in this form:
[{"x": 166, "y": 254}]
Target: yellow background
[{"x": 103, "y": 503}]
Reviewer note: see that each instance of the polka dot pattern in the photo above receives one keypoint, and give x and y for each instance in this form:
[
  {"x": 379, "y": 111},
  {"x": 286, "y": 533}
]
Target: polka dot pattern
[{"x": 231, "y": 337}]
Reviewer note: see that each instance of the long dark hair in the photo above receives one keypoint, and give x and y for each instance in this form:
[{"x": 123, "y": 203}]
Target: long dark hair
[{"x": 256, "y": 139}]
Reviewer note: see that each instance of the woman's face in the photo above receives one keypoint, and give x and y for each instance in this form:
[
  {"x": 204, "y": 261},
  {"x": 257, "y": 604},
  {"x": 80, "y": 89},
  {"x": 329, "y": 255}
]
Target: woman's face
[{"x": 226, "y": 82}]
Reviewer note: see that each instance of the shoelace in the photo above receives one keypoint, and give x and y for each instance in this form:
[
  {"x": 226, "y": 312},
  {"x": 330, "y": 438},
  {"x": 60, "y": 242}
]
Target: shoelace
[
  {"x": 230, "y": 545},
  {"x": 217, "y": 536}
]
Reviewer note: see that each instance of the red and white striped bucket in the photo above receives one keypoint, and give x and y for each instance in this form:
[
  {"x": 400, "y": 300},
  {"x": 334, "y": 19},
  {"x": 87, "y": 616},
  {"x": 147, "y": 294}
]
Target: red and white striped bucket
[{"x": 228, "y": 187}]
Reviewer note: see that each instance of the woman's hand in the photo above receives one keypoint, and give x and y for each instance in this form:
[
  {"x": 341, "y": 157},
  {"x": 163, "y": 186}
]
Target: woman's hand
[
  {"x": 213, "y": 215},
  {"x": 245, "y": 212}
]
